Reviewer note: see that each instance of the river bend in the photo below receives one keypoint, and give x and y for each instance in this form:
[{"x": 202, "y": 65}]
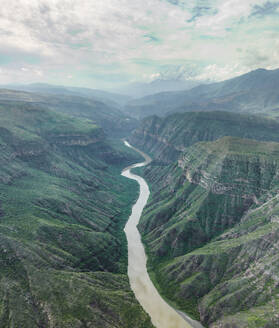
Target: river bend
[{"x": 162, "y": 314}]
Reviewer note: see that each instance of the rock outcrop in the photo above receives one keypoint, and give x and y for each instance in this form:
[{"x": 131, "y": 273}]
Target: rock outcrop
[
  {"x": 166, "y": 138},
  {"x": 211, "y": 229}
]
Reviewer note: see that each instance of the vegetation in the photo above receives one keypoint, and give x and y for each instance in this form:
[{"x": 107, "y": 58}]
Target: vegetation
[
  {"x": 211, "y": 225},
  {"x": 74, "y": 103},
  {"x": 63, "y": 253},
  {"x": 168, "y": 137}
]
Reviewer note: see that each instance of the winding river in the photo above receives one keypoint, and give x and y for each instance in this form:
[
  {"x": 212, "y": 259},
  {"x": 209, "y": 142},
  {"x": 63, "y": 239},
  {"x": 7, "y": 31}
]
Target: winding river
[{"x": 162, "y": 315}]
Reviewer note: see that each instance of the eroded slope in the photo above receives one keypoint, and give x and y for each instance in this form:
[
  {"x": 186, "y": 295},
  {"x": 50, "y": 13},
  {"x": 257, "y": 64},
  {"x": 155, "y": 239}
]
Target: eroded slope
[
  {"x": 167, "y": 138},
  {"x": 211, "y": 231},
  {"x": 63, "y": 255}
]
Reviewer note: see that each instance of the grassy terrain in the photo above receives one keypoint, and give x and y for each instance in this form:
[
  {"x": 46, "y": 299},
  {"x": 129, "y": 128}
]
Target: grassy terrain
[
  {"x": 105, "y": 114},
  {"x": 63, "y": 206},
  {"x": 167, "y": 138},
  {"x": 211, "y": 231}
]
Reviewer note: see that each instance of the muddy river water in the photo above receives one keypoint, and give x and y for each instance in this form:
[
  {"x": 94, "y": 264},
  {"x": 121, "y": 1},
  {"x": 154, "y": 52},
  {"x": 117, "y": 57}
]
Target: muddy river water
[{"x": 162, "y": 314}]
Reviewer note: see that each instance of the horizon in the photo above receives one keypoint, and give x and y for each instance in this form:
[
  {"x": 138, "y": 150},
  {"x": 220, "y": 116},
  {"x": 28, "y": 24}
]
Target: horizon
[{"x": 115, "y": 90}]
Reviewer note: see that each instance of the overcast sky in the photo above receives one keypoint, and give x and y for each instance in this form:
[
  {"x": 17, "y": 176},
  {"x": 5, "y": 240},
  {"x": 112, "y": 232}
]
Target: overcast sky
[{"x": 106, "y": 43}]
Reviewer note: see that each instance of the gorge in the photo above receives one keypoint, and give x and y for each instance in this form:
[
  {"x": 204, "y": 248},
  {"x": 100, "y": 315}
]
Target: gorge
[
  {"x": 139, "y": 164},
  {"x": 162, "y": 315},
  {"x": 210, "y": 226}
]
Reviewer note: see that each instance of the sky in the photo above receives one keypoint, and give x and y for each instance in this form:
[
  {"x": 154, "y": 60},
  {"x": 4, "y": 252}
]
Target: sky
[{"x": 108, "y": 43}]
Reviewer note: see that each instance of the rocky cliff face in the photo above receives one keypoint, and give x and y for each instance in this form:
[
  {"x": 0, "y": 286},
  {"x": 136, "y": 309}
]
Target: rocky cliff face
[
  {"x": 166, "y": 138},
  {"x": 232, "y": 280},
  {"x": 232, "y": 166},
  {"x": 211, "y": 229},
  {"x": 206, "y": 192}
]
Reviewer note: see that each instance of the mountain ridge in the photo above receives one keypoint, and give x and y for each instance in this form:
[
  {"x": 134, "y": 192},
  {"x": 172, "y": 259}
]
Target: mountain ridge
[
  {"x": 114, "y": 122},
  {"x": 211, "y": 224},
  {"x": 63, "y": 255},
  {"x": 253, "y": 92},
  {"x": 166, "y": 138}
]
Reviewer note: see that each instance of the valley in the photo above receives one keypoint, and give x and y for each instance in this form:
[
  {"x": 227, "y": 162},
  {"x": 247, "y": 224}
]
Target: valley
[
  {"x": 254, "y": 92},
  {"x": 210, "y": 227},
  {"x": 63, "y": 253},
  {"x": 139, "y": 164},
  {"x": 162, "y": 315},
  {"x": 206, "y": 250}
]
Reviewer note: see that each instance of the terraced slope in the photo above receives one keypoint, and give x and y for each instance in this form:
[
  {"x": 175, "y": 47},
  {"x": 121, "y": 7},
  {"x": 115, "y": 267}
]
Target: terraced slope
[
  {"x": 166, "y": 138},
  {"x": 211, "y": 231},
  {"x": 62, "y": 252}
]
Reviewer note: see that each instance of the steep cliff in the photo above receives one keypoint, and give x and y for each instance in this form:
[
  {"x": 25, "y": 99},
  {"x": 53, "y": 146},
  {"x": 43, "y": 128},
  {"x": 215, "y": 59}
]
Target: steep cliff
[
  {"x": 166, "y": 138},
  {"x": 210, "y": 228}
]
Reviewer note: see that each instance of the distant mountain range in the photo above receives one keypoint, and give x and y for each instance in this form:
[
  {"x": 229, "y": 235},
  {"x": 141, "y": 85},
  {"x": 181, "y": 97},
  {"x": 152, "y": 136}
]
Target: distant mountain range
[
  {"x": 109, "y": 98},
  {"x": 113, "y": 121},
  {"x": 137, "y": 90},
  {"x": 254, "y": 92}
]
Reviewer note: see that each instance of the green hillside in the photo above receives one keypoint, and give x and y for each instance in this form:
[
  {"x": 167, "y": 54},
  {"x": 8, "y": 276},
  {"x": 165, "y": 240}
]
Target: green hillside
[
  {"x": 211, "y": 231},
  {"x": 167, "y": 138},
  {"x": 113, "y": 121},
  {"x": 63, "y": 254}
]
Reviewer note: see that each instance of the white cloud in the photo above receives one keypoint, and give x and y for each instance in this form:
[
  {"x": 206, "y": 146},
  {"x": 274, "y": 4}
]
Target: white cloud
[{"x": 93, "y": 40}]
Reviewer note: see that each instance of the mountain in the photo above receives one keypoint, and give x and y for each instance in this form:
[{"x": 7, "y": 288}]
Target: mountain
[
  {"x": 166, "y": 138},
  {"x": 63, "y": 254},
  {"x": 111, "y": 119},
  {"x": 109, "y": 98},
  {"x": 211, "y": 227},
  {"x": 254, "y": 92},
  {"x": 137, "y": 89}
]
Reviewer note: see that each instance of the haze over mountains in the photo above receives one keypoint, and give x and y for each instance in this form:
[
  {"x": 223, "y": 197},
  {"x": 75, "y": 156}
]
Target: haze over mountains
[
  {"x": 105, "y": 113},
  {"x": 210, "y": 227},
  {"x": 254, "y": 92},
  {"x": 89, "y": 89},
  {"x": 100, "y": 95},
  {"x": 137, "y": 90}
]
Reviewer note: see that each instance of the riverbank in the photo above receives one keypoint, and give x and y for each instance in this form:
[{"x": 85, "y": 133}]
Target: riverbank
[{"x": 161, "y": 313}]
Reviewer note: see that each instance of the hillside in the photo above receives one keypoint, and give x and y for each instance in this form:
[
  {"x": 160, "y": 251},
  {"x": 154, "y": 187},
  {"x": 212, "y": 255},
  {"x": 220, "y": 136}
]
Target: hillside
[
  {"x": 166, "y": 138},
  {"x": 108, "y": 98},
  {"x": 254, "y": 92},
  {"x": 113, "y": 121},
  {"x": 211, "y": 231},
  {"x": 63, "y": 255}
]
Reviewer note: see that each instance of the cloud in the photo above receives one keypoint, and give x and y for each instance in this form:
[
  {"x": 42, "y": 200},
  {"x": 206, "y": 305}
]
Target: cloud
[
  {"x": 268, "y": 8},
  {"x": 101, "y": 43}
]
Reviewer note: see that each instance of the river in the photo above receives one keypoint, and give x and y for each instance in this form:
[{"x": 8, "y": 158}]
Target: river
[{"x": 162, "y": 314}]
